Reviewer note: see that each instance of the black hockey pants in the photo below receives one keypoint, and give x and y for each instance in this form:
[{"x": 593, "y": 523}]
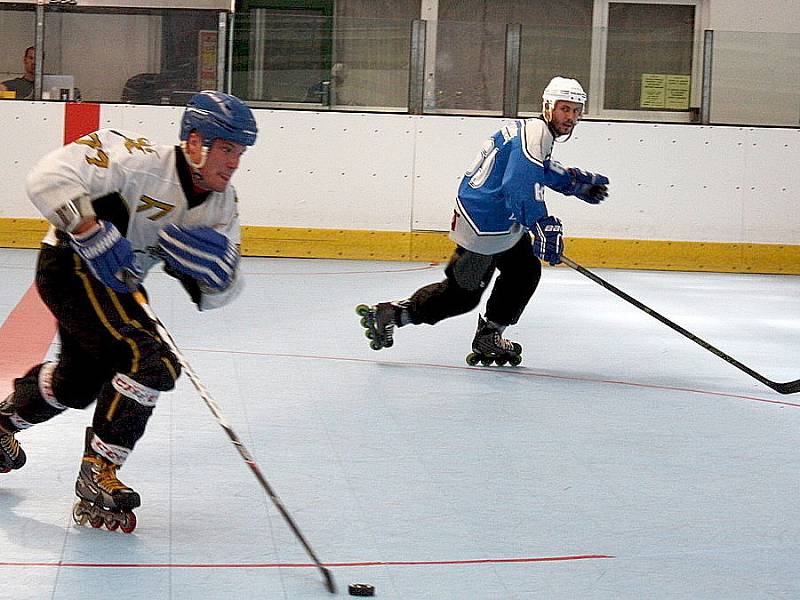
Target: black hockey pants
[
  {"x": 104, "y": 336},
  {"x": 467, "y": 276}
]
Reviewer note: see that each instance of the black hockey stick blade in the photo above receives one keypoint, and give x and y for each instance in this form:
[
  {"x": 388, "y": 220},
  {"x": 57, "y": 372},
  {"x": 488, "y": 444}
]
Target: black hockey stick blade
[
  {"x": 788, "y": 387},
  {"x": 329, "y": 582}
]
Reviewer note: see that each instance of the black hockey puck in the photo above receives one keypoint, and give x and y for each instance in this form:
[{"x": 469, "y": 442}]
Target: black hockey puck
[{"x": 361, "y": 589}]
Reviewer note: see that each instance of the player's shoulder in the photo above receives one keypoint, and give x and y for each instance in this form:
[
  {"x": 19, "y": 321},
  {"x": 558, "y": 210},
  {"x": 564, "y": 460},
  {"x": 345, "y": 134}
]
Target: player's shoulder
[
  {"x": 536, "y": 139},
  {"x": 131, "y": 148}
]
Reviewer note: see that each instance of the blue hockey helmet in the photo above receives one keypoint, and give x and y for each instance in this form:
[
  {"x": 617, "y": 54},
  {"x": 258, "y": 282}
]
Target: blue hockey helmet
[{"x": 216, "y": 115}]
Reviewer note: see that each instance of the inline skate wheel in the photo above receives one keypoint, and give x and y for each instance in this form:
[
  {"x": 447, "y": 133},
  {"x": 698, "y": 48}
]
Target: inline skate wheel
[
  {"x": 501, "y": 362},
  {"x": 374, "y": 344},
  {"x": 361, "y": 589},
  {"x": 515, "y": 361},
  {"x": 362, "y": 310},
  {"x": 112, "y": 523},
  {"x": 472, "y": 359},
  {"x": 128, "y": 523},
  {"x": 79, "y": 515},
  {"x": 486, "y": 361}
]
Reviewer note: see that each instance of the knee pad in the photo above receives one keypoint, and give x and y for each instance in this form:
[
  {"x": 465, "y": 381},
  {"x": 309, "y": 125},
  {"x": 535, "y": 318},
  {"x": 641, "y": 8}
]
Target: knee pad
[
  {"x": 154, "y": 365},
  {"x": 470, "y": 271},
  {"x": 156, "y": 374}
]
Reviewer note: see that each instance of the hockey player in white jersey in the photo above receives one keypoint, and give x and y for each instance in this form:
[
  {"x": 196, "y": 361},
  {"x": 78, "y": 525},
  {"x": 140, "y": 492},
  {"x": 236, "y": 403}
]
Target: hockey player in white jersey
[
  {"x": 500, "y": 223},
  {"x": 118, "y": 204}
]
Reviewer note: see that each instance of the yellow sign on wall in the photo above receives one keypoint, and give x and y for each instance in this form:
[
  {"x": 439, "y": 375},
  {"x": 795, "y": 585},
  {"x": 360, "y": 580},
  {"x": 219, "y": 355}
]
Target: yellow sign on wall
[
  {"x": 653, "y": 90},
  {"x": 677, "y": 92},
  {"x": 669, "y": 92}
]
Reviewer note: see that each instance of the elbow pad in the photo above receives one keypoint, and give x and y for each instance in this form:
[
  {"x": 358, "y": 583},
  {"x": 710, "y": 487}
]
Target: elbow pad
[{"x": 67, "y": 216}]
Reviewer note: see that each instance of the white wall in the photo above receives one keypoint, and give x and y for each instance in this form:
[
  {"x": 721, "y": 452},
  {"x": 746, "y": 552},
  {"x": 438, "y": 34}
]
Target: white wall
[
  {"x": 747, "y": 15},
  {"x": 400, "y": 172}
]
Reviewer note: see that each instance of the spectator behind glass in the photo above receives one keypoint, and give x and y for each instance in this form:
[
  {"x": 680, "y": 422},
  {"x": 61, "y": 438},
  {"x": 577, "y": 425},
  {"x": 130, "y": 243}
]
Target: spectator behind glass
[
  {"x": 23, "y": 86},
  {"x": 329, "y": 91}
]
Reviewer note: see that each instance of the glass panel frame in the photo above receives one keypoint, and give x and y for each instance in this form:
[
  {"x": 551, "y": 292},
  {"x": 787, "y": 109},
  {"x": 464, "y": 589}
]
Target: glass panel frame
[
  {"x": 161, "y": 55},
  {"x": 600, "y": 43}
]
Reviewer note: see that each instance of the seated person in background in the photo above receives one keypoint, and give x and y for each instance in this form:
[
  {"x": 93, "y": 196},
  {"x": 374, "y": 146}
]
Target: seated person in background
[
  {"x": 23, "y": 86},
  {"x": 328, "y": 91}
]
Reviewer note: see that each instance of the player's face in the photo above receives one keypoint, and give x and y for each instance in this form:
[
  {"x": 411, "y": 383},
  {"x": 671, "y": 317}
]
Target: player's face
[
  {"x": 565, "y": 115},
  {"x": 221, "y": 164},
  {"x": 29, "y": 62}
]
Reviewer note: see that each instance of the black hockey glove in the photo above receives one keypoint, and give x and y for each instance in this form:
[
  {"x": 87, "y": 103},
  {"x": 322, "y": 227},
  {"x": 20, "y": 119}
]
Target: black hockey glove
[
  {"x": 548, "y": 243},
  {"x": 589, "y": 187}
]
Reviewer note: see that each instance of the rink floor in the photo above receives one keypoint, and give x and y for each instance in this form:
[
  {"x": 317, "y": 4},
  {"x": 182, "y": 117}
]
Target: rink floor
[{"x": 620, "y": 461}]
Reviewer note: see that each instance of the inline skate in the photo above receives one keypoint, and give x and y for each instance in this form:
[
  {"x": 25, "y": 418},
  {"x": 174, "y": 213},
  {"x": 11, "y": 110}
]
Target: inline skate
[
  {"x": 102, "y": 498},
  {"x": 489, "y": 346},
  {"x": 12, "y": 456},
  {"x": 379, "y": 322}
]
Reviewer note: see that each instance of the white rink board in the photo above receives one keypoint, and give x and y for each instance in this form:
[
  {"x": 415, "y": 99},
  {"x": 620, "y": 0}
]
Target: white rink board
[
  {"x": 401, "y": 172},
  {"x": 329, "y": 170},
  {"x": 30, "y": 129}
]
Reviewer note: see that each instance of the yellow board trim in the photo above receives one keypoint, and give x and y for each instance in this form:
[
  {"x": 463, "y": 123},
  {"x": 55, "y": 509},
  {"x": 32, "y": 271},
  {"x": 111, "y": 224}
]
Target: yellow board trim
[{"x": 434, "y": 246}]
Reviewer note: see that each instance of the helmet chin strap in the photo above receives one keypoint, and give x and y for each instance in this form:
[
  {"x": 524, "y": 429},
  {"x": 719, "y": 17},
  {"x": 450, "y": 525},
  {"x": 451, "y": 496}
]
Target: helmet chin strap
[{"x": 196, "y": 167}]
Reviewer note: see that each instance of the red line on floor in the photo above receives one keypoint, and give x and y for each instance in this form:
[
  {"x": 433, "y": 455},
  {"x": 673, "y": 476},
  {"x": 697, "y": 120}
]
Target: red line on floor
[
  {"x": 387, "y": 563},
  {"x": 506, "y": 371},
  {"x": 25, "y": 338}
]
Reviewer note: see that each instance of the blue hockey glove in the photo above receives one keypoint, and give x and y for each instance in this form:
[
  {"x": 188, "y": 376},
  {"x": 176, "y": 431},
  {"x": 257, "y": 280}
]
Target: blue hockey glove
[
  {"x": 108, "y": 255},
  {"x": 548, "y": 243},
  {"x": 589, "y": 187},
  {"x": 201, "y": 253}
]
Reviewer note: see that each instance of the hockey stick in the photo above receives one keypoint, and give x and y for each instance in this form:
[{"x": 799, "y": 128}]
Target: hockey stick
[
  {"x": 248, "y": 458},
  {"x": 788, "y": 387}
]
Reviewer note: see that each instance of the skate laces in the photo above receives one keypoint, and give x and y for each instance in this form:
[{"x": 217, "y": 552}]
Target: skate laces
[
  {"x": 106, "y": 474},
  {"x": 503, "y": 342}
]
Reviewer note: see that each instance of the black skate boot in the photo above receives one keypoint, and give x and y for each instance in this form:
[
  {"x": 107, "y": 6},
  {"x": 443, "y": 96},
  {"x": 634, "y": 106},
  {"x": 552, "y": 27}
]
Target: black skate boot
[
  {"x": 103, "y": 499},
  {"x": 12, "y": 456},
  {"x": 379, "y": 322},
  {"x": 489, "y": 346}
]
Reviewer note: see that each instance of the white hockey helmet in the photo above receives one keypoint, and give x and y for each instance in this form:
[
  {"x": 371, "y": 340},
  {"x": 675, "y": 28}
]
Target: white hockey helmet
[{"x": 562, "y": 88}]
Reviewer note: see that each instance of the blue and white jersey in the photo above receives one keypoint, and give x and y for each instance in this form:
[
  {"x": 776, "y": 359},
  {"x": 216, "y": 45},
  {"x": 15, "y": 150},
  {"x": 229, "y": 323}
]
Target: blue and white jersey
[{"x": 501, "y": 195}]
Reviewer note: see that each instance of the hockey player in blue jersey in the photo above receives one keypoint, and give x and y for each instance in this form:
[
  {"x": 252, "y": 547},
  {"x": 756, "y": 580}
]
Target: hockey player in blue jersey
[{"x": 500, "y": 223}]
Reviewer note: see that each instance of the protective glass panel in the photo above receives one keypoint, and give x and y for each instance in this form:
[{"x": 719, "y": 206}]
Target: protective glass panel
[
  {"x": 469, "y": 67},
  {"x": 550, "y": 51},
  {"x": 140, "y": 56},
  {"x": 755, "y": 78},
  {"x": 649, "y": 56},
  {"x": 17, "y": 62},
  {"x": 556, "y": 40},
  {"x": 299, "y": 56}
]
